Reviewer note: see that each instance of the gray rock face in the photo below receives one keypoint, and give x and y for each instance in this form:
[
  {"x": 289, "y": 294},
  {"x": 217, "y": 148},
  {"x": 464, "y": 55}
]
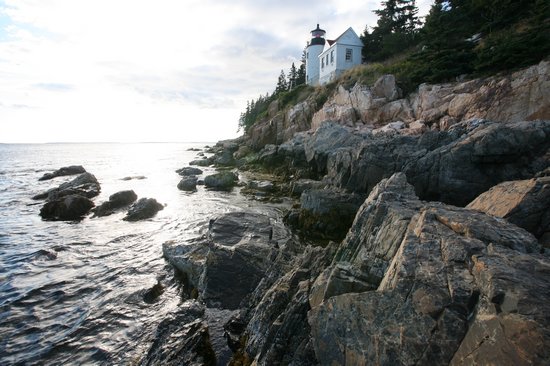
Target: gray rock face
[
  {"x": 143, "y": 209},
  {"x": 70, "y": 207},
  {"x": 85, "y": 185},
  {"x": 188, "y": 184},
  {"x": 222, "y": 181},
  {"x": 202, "y": 162},
  {"x": 68, "y": 170},
  {"x": 188, "y": 171},
  {"x": 424, "y": 283},
  {"x": 230, "y": 261},
  {"x": 116, "y": 201}
]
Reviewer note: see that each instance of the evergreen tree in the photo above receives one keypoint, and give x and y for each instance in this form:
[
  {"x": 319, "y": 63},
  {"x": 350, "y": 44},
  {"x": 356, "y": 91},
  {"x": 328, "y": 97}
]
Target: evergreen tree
[
  {"x": 395, "y": 30},
  {"x": 292, "y": 76},
  {"x": 301, "y": 73},
  {"x": 282, "y": 84}
]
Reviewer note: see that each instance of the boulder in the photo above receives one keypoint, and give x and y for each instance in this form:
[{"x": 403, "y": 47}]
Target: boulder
[
  {"x": 85, "y": 185},
  {"x": 228, "y": 263},
  {"x": 301, "y": 185},
  {"x": 424, "y": 283},
  {"x": 222, "y": 181},
  {"x": 145, "y": 208},
  {"x": 189, "y": 170},
  {"x": 68, "y": 170},
  {"x": 525, "y": 203},
  {"x": 202, "y": 162},
  {"x": 116, "y": 201},
  {"x": 134, "y": 177},
  {"x": 188, "y": 184},
  {"x": 70, "y": 207}
]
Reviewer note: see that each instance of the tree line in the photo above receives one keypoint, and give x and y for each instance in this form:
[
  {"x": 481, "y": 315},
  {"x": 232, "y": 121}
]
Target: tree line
[
  {"x": 286, "y": 82},
  {"x": 458, "y": 37}
]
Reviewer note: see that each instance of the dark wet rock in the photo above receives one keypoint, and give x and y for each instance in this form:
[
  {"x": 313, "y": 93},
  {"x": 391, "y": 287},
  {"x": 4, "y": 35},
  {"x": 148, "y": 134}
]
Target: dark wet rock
[
  {"x": 225, "y": 158},
  {"x": 134, "y": 177},
  {"x": 525, "y": 203},
  {"x": 202, "y": 162},
  {"x": 188, "y": 171},
  {"x": 299, "y": 186},
  {"x": 145, "y": 208},
  {"x": 84, "y": 185},
  {"x": 182, "y": 338},
  {"x": 116, "y": 201},
  {"x": 152, "y": 294},
  {"x": 230, "y": 261},
  {"x": 327, "y": 213},
  {"x": 68, "y": 170},
  {"x": 70, "y": 207},
  {"x": 188, "y": 184},
  {"x": 222, "y": 181},
  {"x": 262, "y": 186}
]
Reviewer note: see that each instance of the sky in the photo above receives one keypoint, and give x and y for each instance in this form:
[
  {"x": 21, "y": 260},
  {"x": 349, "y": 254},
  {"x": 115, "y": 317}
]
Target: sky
[{"x": 151, "y": 71}]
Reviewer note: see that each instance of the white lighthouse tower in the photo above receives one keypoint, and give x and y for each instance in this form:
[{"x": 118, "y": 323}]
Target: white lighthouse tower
[{"x": 313, "y": 51}]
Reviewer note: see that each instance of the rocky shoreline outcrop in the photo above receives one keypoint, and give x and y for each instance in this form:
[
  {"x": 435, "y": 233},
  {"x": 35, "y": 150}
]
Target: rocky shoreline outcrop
[{"x": 419, "y": 233}]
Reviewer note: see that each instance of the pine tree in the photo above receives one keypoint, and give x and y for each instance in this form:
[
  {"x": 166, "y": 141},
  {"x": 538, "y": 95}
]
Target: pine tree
[
  {"x": 292, "y": 76},
  {"x": 282, "y": 84}
]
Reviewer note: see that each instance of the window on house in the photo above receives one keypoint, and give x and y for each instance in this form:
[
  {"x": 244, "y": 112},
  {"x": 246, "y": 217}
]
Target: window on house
[
  {"x": 327, "y": 59},
  {"x": 349, "y": 54},
  {"x": 323, "y": 63},
  {"x": 307, "y": 55},
  {"x": 332, "y": 56}
]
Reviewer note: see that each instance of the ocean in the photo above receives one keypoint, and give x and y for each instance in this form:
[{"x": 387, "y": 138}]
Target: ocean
[{"x": 73, "y": 292}]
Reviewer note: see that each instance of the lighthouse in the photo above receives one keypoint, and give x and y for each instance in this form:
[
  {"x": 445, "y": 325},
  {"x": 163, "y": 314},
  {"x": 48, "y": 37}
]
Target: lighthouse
[{"x": 313, "y": 51}]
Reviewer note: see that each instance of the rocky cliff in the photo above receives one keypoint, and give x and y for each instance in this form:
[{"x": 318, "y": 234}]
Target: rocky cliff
[
  {"x": 420, "y": 235},
  {"x": 523, "y": 95}
]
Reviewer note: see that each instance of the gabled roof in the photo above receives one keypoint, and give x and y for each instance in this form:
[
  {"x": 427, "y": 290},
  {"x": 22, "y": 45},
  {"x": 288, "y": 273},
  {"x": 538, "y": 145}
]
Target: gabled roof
[{"x": 349, "y": 37}]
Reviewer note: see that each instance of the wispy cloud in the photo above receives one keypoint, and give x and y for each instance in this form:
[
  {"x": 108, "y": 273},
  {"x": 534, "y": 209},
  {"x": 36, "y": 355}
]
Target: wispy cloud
[{"x": 151, "y": 65}]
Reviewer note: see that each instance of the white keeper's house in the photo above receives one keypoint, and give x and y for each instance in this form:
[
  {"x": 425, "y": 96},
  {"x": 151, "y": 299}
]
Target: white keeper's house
[{"x": 327, "y": 59}]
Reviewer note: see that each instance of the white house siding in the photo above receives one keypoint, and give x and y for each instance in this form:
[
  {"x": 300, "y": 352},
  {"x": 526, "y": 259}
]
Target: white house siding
[{"x": 334, "y": 68}]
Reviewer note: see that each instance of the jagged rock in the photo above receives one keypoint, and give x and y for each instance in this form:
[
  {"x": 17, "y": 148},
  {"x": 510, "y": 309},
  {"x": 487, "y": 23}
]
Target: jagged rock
[
  {"x": 70, "y": 207},
  {"x": 225, "y": 158},
  {"x": 116, "y": 201},
  {"x": 436, "y": 283},
  {"x": 85, "y": 185},
  {"x": 188, "y": 184},
  {"x": 525, "y": 203},
  {"x": 328, "y": 138},
  {"x": 143, "y": 209},
  {"x": 386, "y": 87},
  {"x": 182, "y": 338},
  {"x": 68, "y": 170},
  {"x": 189, "y": 170},
  {"x": 222, "y": 181},
  {"x": 229, "y": 263}
]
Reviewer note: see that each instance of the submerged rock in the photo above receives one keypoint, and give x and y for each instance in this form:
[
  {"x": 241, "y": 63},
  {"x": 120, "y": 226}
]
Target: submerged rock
[
  {"x": 70, "y": 207},
  {"x": 189, "y": 170},
  {"x": 182, "y": 338},
  {"x": 188, "y": 184},
  {"x": 143, "y": 209},
  {"x": 116, "y": 201},
  {"x": 85, "y": 185},
  {"x": 68, "y": 170},
  {"x": 222, "y": 181}
]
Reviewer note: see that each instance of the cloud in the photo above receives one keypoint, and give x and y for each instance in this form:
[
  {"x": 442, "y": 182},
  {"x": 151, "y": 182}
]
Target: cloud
[{"x": 138, "y": 65}]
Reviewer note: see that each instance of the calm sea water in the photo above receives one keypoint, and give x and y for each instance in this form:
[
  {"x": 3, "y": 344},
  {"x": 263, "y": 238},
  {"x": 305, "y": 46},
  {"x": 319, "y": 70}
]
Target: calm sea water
[{"x": 72, "y": 292}]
